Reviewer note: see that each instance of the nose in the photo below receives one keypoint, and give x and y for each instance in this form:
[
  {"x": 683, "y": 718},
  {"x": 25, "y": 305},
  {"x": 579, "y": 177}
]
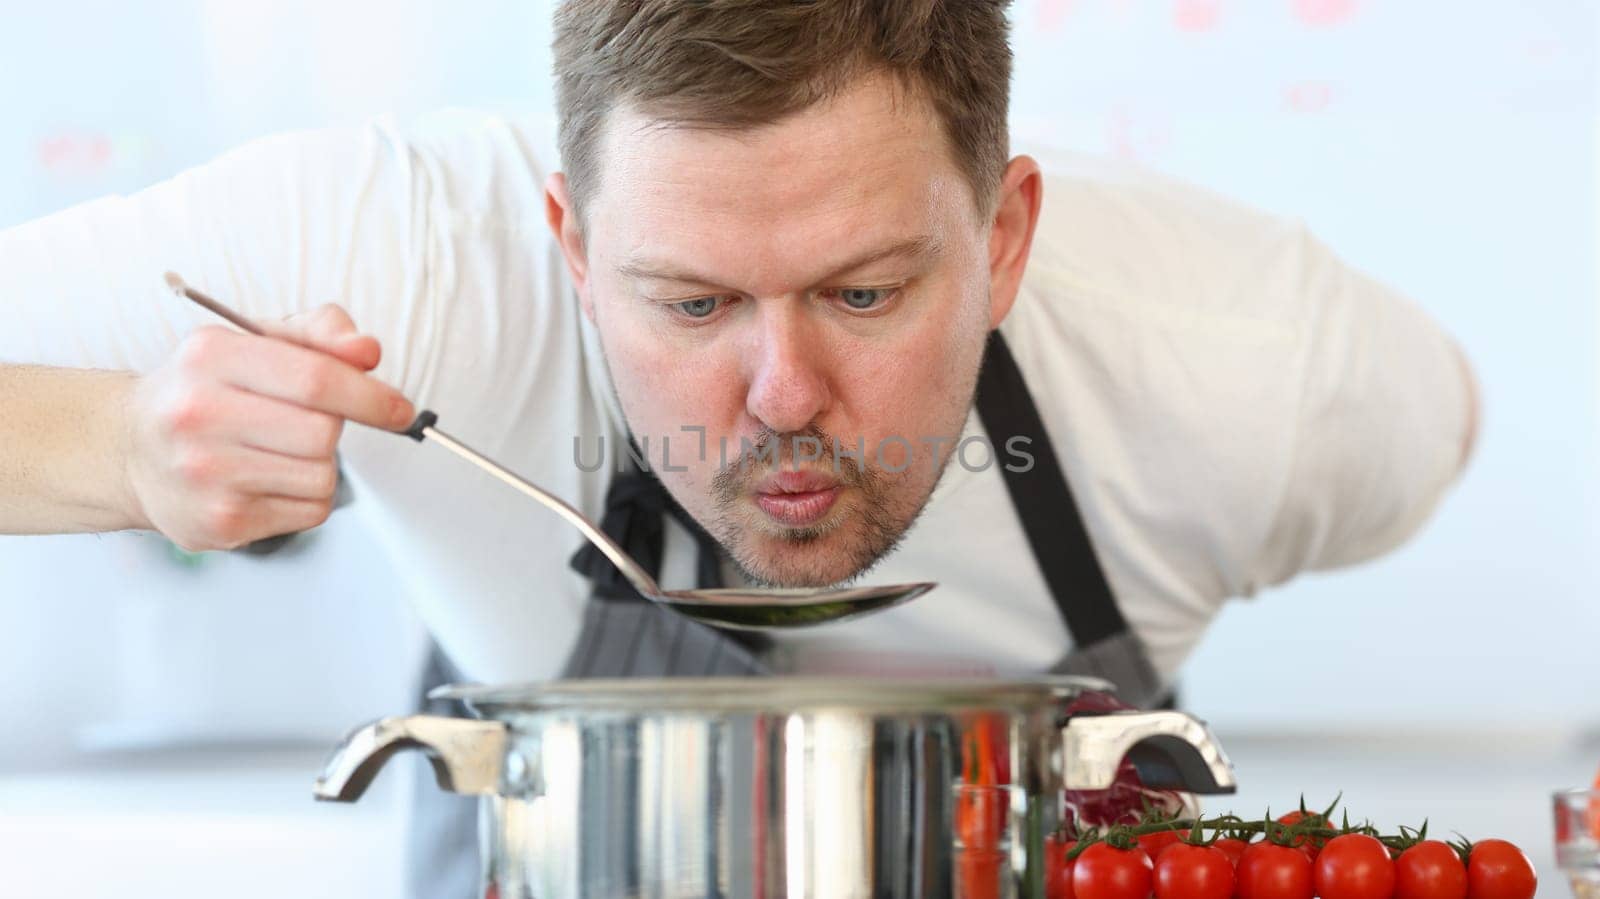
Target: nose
[{"x": 789, "y": 383}]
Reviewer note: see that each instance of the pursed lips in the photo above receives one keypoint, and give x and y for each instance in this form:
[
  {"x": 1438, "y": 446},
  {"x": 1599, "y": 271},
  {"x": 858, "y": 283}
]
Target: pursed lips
[{"x": 797, "y": 498}]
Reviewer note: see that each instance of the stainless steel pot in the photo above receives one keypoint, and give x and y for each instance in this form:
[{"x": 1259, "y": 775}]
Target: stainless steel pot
[{"x": 769, "y": 787}]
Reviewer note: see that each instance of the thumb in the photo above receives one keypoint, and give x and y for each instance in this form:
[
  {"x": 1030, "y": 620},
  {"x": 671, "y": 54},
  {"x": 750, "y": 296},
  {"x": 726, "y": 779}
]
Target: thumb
[{"x": 330, "y": 330}]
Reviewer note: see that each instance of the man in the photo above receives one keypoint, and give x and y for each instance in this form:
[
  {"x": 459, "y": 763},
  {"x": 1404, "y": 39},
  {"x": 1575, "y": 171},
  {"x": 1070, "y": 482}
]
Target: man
[{"x": 781, "y": 227}]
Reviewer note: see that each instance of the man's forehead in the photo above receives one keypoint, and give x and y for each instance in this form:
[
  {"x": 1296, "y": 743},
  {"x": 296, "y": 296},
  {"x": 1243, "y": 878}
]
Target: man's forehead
[{"x": 852, "y": 155}]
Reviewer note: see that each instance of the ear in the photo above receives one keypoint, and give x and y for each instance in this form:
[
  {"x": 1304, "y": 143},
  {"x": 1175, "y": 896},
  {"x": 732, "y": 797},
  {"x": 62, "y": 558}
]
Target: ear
[
  {"x": 1011, "y": 233},
  {"x": 563, "y": 219}
]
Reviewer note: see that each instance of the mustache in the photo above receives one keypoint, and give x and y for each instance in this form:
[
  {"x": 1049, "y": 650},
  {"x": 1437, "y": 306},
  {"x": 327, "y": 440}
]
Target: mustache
[{"x": 773, "y": 451}]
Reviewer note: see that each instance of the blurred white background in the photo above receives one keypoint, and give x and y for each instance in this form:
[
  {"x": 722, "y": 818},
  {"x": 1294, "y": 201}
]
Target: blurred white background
[{"x": 1447, "y": 148}]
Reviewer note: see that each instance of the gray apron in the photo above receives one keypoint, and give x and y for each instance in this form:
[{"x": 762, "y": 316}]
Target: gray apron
[{"x": 624, "y": 635}]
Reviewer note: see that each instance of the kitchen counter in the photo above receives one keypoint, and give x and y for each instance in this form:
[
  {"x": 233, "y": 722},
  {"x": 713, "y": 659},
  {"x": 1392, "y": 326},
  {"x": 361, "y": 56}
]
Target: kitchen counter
[
  {"x": 243, "y": 824},
  {"x": 240, "y": 824},
  {"x": 1483, "y": 785}
]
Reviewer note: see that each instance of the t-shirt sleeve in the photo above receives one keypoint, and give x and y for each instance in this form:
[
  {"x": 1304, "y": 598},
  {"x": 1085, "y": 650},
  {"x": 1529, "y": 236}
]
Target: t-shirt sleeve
[
  {"x": 277, "y": 226},
  {"x": 1385, "y": 409}
]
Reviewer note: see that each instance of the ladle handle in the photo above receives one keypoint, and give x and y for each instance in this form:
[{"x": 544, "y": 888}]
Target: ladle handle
[
  {"x": 637, "y": 576},
  {"x": 423, "y": 426}
]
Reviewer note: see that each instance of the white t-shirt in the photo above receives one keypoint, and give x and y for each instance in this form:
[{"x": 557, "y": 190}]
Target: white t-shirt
[{"x": 1231, "y": 403}]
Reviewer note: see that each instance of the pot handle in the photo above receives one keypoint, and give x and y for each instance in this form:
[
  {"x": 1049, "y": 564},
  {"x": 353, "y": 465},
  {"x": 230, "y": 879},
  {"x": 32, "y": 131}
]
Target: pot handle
[
  {"x": 1171, "y": 750},
  {"x": 466, "y": 754}
]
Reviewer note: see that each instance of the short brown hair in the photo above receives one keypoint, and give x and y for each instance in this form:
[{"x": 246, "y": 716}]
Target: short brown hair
[{"x": 745, "y": 63}]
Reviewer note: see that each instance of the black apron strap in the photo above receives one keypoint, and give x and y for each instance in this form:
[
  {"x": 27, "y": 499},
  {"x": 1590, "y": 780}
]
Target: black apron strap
[
  {"x": 1103, "y": 644},
  {"x": 626, "y": 635},
  {"x": 1045, "y": 504}
]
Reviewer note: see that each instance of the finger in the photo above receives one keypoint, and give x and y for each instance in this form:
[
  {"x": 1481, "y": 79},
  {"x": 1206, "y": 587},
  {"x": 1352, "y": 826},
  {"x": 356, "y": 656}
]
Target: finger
[
  {"x": 271, "y": 516},
  {"x": 266, "y": 474},
  {"x": 359, "y": 350},
  {"x": 274, "y": 425},
  {"x": 249, "y": 473},
  {"x": 296, "y": 374},
  {"x": 297, "y": 514},
  {"x": 233, "y": 521},
  {"x": 330, "y": 329},
  {"x": 220, "y": 414}
]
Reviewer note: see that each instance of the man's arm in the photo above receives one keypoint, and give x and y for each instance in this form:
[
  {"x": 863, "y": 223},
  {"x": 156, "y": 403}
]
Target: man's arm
[
  {"x": 229, "y": 441},
  {"x": 62, "y": 442},
  {"x": 1386, "y": 422},
  {"x": 213, "y": 437}
]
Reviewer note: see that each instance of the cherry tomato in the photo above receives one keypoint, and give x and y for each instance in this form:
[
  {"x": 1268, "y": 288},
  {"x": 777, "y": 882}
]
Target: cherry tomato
[
  {"x": 1308, "y": 845},
  {"x": 1430, "y": 870},
  {"x": 1354, "y": 866},
  {"x": 1497, "y": 869},
  {"x": 1193, "y": 872},
  {"x": 1154, "y": 843},
  {"x": 1232, "y": 848},
  {"x": 1104, "y": 872},
  {"x": 1270, "y": 871},
  {"x": 1057, "y": 869}
]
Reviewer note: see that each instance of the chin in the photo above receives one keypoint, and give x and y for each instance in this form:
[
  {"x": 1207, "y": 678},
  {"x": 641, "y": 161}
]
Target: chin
[
  {"x": 812, "y": 557},
  {"x": 797, "y": 567}
]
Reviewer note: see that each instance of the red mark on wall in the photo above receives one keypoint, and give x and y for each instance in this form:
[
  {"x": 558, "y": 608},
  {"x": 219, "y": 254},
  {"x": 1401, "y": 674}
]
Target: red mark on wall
[
  {"x": 1324, "y": 13},
  {"x": 1195, "y": 16},
  {"x": 1053, "y": 14},
  {"x": 74, "y": 154},
  {"x": 1308, "y": 96},
  {"x": 1135, "y": 138},
  {"x": 68, "y": 153}
]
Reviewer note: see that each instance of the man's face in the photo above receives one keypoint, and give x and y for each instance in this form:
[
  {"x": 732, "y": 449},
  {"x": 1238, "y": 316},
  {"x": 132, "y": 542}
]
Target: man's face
[{"x": 825, "y": 277}]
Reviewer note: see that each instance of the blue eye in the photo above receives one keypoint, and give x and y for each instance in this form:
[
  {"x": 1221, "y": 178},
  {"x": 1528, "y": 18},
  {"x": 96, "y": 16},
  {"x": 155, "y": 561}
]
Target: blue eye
[
  {"x": 698, "y": 308},
  {"x": 863, "y": 297}
]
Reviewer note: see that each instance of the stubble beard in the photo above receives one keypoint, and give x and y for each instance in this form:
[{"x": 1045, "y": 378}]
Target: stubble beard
[{"x": 865, "y": 526}]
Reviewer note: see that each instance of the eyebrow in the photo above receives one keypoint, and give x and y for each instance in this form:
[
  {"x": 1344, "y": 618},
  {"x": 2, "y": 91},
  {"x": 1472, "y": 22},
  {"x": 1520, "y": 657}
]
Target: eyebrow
[{"x": 913, "y": 248}]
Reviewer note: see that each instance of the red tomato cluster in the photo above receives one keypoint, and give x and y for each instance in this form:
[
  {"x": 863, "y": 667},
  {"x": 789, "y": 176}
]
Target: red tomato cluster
[
  {"x": 1309, "y": 846},
  {"x": 1351, "y": 866}
]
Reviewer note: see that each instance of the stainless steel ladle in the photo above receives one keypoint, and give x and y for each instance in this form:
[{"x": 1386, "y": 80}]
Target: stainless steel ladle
[{"x": 739, "y": 609}]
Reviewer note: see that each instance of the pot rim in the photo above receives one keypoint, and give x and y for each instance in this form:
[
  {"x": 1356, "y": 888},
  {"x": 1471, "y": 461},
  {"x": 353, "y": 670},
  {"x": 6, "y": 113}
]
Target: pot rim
[{"x": 779, "y": 693}]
